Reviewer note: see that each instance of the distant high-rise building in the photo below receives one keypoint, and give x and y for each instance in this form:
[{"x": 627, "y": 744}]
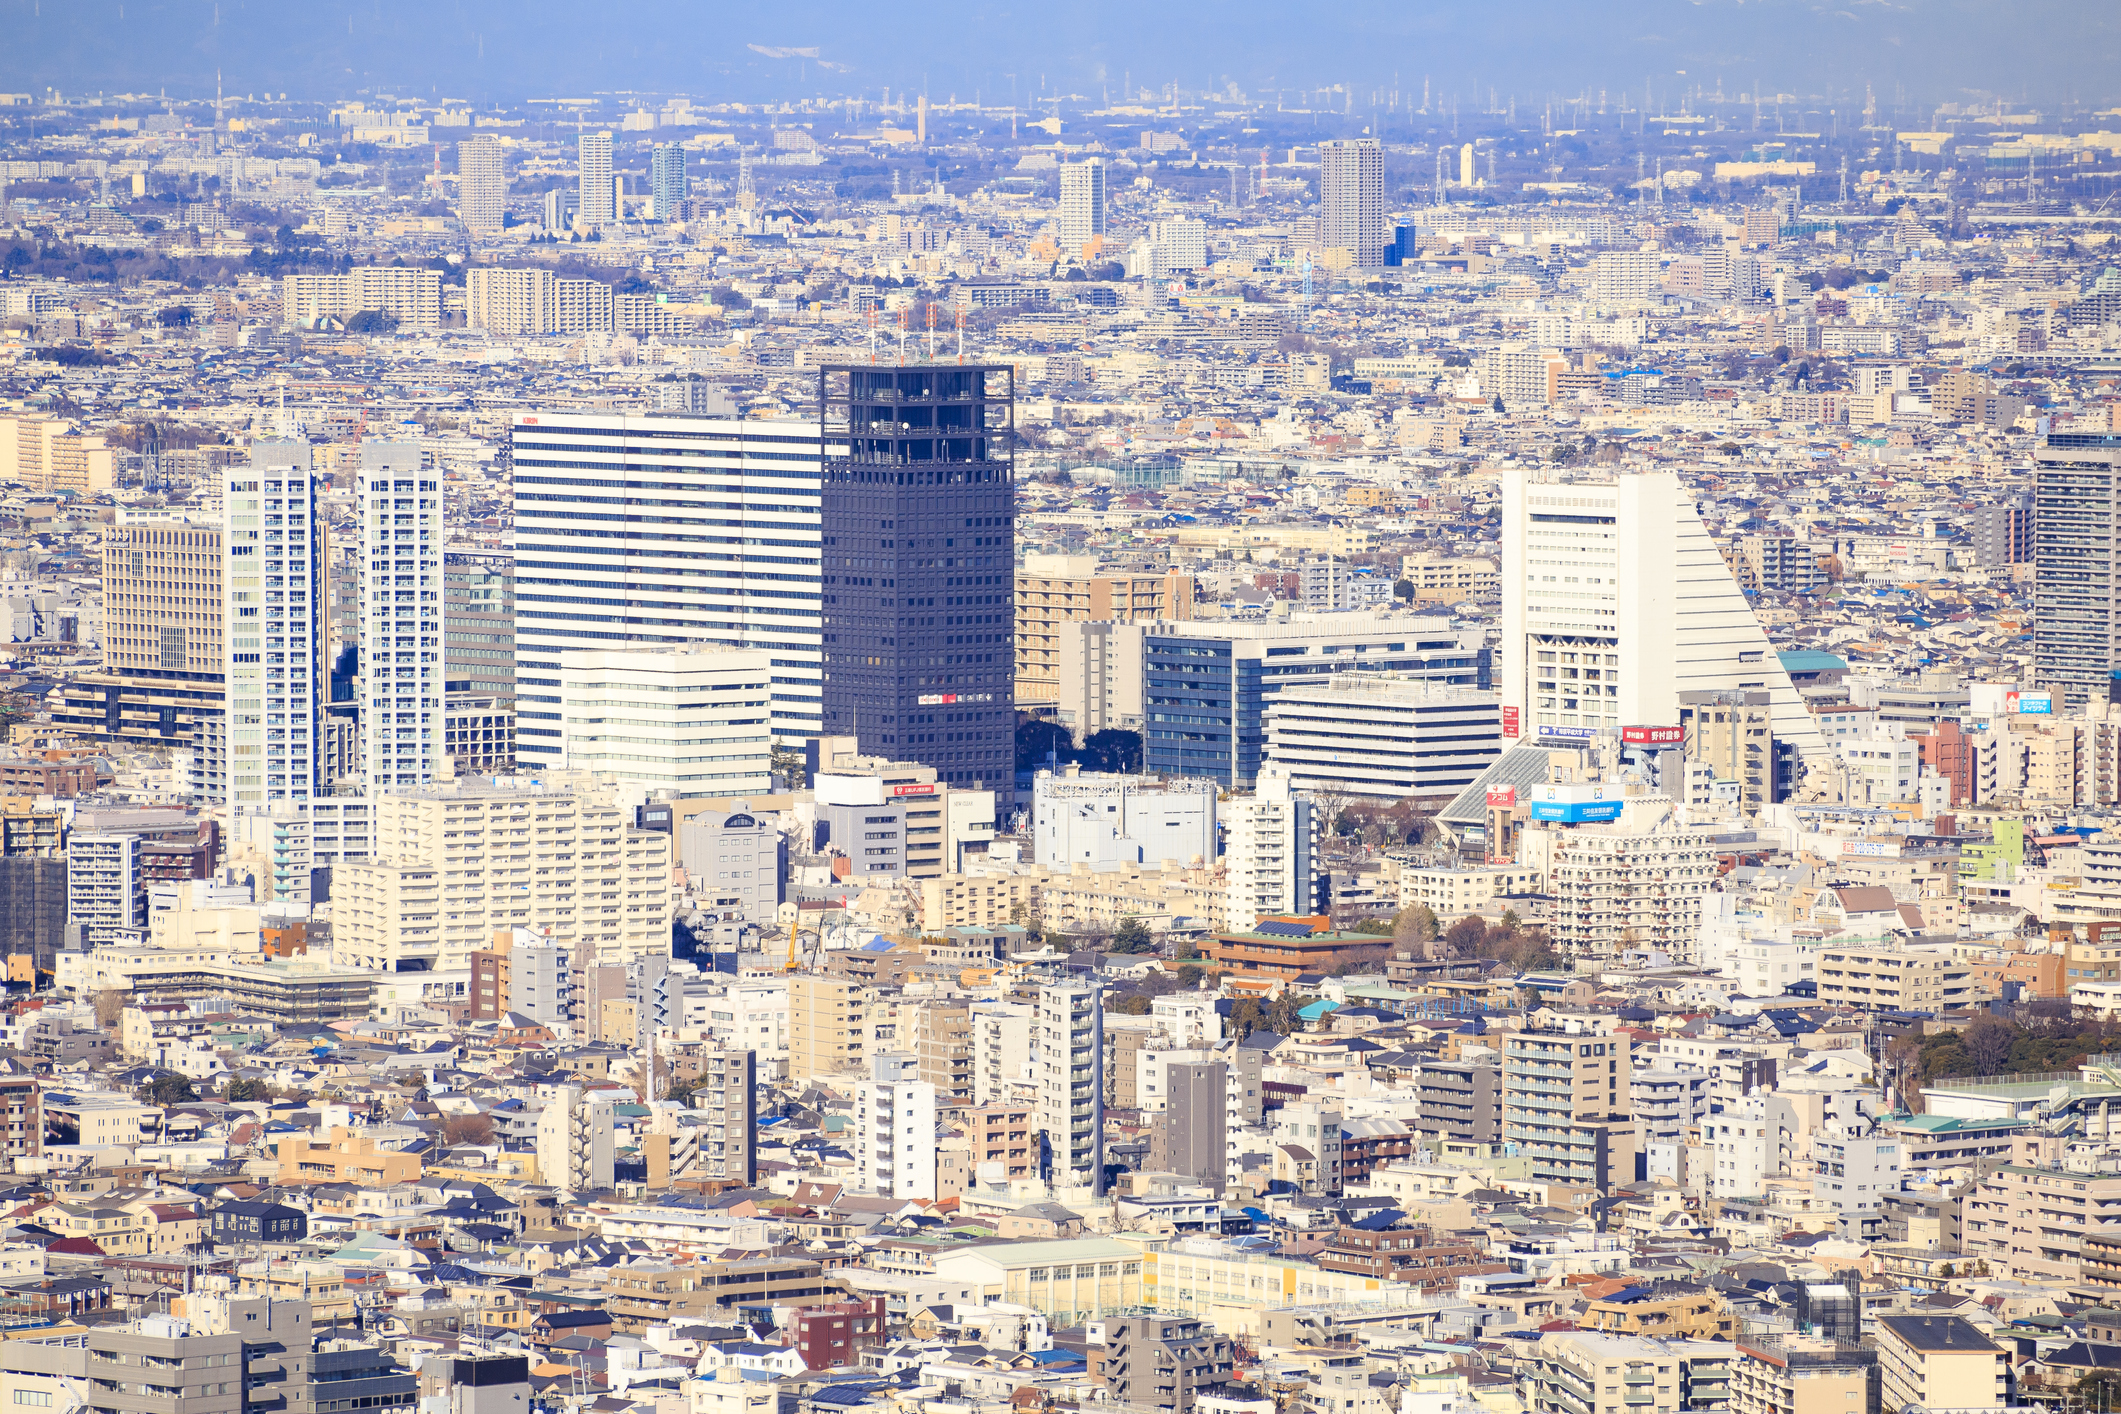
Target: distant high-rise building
[
  {"x": 482, "y": 184},
  {"x": 273, "y": 627},
  {"x": 594, "y": 205},
  {"x": 1082, "y": 204},
  {"x": 2003, "y": 533},
  {"x": 1465, "y": 165},
  {"x": 666, "y": 170},
  {"x": 1272, "y": 862},
  {"x": 2077, "y": 602},
  {"x": 479, "y": 622},
  {"x": 919, "y": 527},
  {"x": 558, "y": 208},
  {"x": 1351, "y": 198},
  {"x": 402, "y": 593}
]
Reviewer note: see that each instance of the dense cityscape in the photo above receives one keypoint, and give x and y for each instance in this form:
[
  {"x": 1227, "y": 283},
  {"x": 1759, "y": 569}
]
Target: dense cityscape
[{"x": 1091, "y": 744}]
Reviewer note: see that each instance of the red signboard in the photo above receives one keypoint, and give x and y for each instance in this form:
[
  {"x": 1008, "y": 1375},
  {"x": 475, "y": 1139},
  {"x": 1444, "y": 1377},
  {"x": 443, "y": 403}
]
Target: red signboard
[
  {"x": 1501, "y": 797},
  {"x": 1653, "y": 736},
  {"x": 913, "y": 790},
  {"x": 1510, "y": 720}
]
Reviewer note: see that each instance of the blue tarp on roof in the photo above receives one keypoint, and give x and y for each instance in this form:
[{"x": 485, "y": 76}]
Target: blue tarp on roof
[
  {"x": 878, "y": 945},
  {"x": 1377, "y": 1221}
]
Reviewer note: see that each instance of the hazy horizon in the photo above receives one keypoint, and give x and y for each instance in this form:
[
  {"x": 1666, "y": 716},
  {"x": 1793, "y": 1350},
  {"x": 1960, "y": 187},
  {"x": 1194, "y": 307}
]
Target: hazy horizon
[{"x": 1915, "y": 53}]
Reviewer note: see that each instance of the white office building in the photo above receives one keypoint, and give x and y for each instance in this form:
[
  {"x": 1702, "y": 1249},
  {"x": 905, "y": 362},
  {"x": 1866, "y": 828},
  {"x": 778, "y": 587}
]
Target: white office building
[
  {"x": 1082, "y": 204},
  {"x": 1270, "y": 862},
  {"x": 402, "y": 677},
  {"x": 1100, "y": 680},
  {"x": 1107, "y": 821},
  {"x": 720, "y": 547},
  {"x": 594, "y": 194},
  {"x": 894, "y": 1130},
  {"x": 541, "y": 982},
  {"x": 1614, "y": 601},
  {"x": 271, "y": 618},
  {"x": 482, "y": 185},
  {"x": 669, "y": 724},
  {"x": 1383, "y": 736},
  {"x": 1068, "y": 1064}
]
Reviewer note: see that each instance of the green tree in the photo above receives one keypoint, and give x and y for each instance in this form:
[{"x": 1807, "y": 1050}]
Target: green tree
[
  {"x": 1137, "y": 1004},
  {"x": 169, "y": 1088},
  {"x": 790, "y": 767},
  {"x": 372, "y": 321},
  {"x": 242, "y": 1088},
  {"x": 1132, "y": 936},
  {"x": 1245, "y": 1018},
  {"x": 1282, "y": 1015},
  {"x": 1403, "y": 589}
]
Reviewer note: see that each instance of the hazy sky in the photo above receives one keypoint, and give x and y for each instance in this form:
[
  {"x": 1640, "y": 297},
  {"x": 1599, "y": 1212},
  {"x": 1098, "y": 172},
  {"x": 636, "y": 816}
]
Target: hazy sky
[{"x": 2042, "y": 51}]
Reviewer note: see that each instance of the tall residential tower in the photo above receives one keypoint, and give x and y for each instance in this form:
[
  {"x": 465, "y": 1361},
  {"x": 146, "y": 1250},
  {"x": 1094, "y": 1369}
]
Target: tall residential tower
[
  {"x": 401, "y": 617},
  {"x": 273, "y": 588},
  {"x": 1351, "y": 199}
]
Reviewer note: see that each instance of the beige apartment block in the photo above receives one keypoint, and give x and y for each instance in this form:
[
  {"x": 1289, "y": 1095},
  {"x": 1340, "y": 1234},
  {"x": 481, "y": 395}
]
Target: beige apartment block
[
  {"x": 2030, "y": 1223},
  {"x": 455, "y": 864},
  {"x": 1055, "y": 589},
  {"x": 1090, "y": 899},
  {"x": 1939, "y": 1362},
  {"x": 1894, "y": 977},
  {"x": 832, "y": 1025},
  {"x": 978, "y": 900},
  {"x": 1446, "y": 579}
]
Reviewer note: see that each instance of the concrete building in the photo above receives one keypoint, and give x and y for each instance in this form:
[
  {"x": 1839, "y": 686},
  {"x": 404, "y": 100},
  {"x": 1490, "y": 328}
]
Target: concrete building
[
  {"x": 2003, "y": 533},
  {"x": 595, "y": 204},
  {"x": 669, "y": 724},
  {"x": 725, "y": 1095},
  {"x": 482, "y": 185},
  {"x": 1190, "y": 1136},
  {"x": 463, "y": 861},
  {"x": 1614, "y": 601},
  {"x": 1383, "y": 736},
  {"x": 401, "y": 642},
  {"x": 1895, "y": 976},
  {"x": 105, "y": 895},
  {"x": 569, "y": 466},
  {"x": 1271, "y": 859},
  {"x": 666, "y": 179},
  {"x": 479, "y": 625},
  {"x": 1197, "y": 677},
  {"x": 1098, "y": 676},
  {"x": 1800, "y": 1374},
  {"x": 1056, "y": 590},
  {"x": 1632, "y": 883},
  {"x": 274, "y": 629},
  {"x": 1067, "y": 1062},
  {"x": 1001, "y": 1048},
  {"x": 1565, "y": 1104},
  {"x": 413, "y": 297},
  {"x": 896, "y": 818},
  {"x": 1164, "y": 1362},
  {"x": 1082, "y": 206},
  {"x": 1109, "y": 820},
  {"x": 830, "y": 1031},
  {"x": 1461, "y": 1103},
  {"x": 894, "y": 1129},
  {"x": 1733, "y": 734},
  {"x": 1939, "y": 1362},
  {"x": 1567, "y": 1373},
  {"x": 511, "y": 303},
  {"x": 734, "y": 861},
  {"x": 2077, "y": 604},
  {"x": 575, "y": 1141}
]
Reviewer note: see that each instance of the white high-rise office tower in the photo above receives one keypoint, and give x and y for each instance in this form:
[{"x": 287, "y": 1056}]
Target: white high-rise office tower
[
  {"x": 1614, "y": 601},
  {"x": 1351, "y": 198},
  {"x": 1068, "y": 1063},
  {"x": 894, "y": 1130},
  {"x": 594, "y": 204},
  {"x": 1082, "y": 204},
  {"x": 482, "y": 184},
  {"x": 722, "y": 549},
  {"x": 270, "y": 616},
  {"x": 401, "y": 617}
]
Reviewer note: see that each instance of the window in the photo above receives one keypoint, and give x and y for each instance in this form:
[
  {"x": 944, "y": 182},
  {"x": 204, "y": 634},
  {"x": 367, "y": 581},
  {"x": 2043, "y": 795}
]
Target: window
[{"x": 35, "y": 1398}]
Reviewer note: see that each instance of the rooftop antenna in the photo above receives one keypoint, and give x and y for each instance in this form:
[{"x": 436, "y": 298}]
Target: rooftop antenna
[
  {"x": 931, "y": 331},
  {"x": 961, "y": 334},
  {"x": 905, "y": 320}
]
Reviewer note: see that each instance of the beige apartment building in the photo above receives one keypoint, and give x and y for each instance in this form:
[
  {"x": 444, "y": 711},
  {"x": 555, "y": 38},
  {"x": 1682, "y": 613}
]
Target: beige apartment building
[
  {"x": 49, "y": 456},
  {"x": 1939, "y": 1362},
  {"x": 1797, "y": 1374},
  {"x": 162, "y": 641},
  {"x": 832, "y": 1026},
  {"x": 1055, "y": 589},
  {"x": 978, "y": 900},
  {"x": 1446, "y": 579},
  {"x": 1452, "y": 894},
  {"x": 1895, "y": 977},
  {"x": 1086, "y": 899},
  {"x": 455, "y": 864},
  {"x": 2031, "y": 1224}
]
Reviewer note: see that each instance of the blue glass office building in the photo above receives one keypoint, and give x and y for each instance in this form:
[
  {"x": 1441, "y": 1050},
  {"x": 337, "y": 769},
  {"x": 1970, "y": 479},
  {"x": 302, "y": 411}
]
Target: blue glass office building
[{"x": 1206, "y": 685}]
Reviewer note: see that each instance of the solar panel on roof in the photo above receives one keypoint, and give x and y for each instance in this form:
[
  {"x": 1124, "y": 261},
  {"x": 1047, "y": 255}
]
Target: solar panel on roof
[{"x": 1283, "y": 930}]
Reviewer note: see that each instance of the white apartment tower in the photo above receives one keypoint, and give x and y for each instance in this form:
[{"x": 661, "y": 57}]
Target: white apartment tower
[
  {"x": 1614, "y": 601},
  {"x": 401, "y": 618},
  {"x": 1067, "y": 1065},
  {"x": 894, "y": 1130},
  {"x": 1001, "y": 1049},
  {"x": 594, "y": 201},
  {"x": 1082, "y": 204},
  {"x": 1351, "y": 198},
  {"x": 1271, "y": 854},
  {"x": 482, "y": 185},
  {"x": 271, "y": 617}
]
